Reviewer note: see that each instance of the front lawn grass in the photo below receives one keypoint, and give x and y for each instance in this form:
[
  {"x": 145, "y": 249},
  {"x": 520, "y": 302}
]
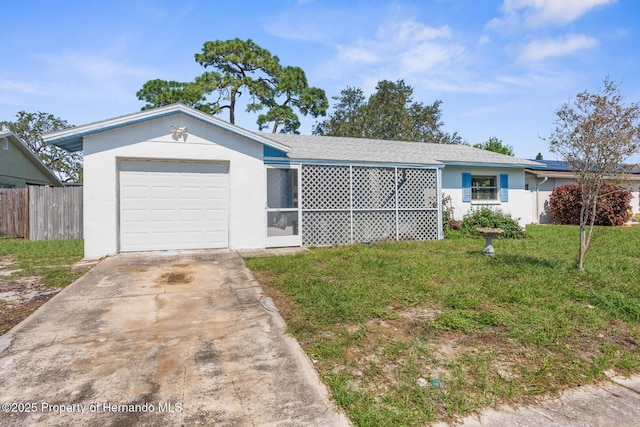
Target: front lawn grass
[
  {"x": 49, "y": 259},
  {"x": 413, "y": 332}
]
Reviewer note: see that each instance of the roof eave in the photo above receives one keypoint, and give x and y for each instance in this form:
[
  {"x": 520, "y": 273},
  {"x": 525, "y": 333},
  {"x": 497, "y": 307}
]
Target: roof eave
[
  {"x": 492, "y": 164},
  {"x": 355, "y": 162},
  {"x": 572, "y": 175},
  {"x": 71, "y": 139}
]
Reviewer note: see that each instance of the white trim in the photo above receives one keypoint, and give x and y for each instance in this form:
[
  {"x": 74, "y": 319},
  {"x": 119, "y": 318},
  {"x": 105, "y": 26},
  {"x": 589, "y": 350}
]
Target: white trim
[
  {"x": 71, "y": 139},
  {"x": 288, "y": 240}
]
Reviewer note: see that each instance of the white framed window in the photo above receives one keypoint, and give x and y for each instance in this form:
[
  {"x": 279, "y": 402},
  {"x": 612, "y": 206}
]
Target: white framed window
[
  {"x": 484, "y": 187},
  {"x": 5, "y": 143}
]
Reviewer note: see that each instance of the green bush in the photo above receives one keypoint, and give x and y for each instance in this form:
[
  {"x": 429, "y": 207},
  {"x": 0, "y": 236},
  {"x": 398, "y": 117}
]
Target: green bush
[{"x": 485, "y": 217}]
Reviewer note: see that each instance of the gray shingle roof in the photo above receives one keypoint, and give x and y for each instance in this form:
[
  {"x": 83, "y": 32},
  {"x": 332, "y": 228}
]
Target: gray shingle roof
[{"x": 307, "y": 147}]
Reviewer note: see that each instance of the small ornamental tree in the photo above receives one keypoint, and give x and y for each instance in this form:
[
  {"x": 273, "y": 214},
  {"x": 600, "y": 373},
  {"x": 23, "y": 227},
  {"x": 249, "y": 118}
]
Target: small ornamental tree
[
  {"x": 614, "y": 207},
  {"x": 596, "y": 135}
]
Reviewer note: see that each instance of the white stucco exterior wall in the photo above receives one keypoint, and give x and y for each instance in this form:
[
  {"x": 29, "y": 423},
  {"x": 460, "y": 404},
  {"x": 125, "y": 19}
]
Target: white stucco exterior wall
[
  {"x": 520, "y": 200},
  {"x": 153, "y": 140}
]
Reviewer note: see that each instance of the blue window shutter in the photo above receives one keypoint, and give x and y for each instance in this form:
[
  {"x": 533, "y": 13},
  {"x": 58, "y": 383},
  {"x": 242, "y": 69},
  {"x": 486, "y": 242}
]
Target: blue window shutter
[
  {"x": 504, "y": 187},
  {"x": 466, "y": 187}
]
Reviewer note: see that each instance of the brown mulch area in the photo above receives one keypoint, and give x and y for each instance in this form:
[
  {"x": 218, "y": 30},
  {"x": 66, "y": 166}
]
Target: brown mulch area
[
  {"x": 11, "y": 315},
  {"x": 19, "y": 296}
]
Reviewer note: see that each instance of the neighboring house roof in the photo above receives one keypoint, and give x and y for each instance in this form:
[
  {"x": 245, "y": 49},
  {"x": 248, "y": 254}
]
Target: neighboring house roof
[
  {"x": 30, "y": 155},
  {"x": 328, "y": 148},
  {"x": 561, "y": 169},
  {"x": 71, "y": 139},
  {"x": 555, "y": 165}
]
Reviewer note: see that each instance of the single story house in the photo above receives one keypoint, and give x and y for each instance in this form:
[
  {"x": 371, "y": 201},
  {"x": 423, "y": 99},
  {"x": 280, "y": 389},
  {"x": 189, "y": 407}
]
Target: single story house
[
  {"x": 541, "y": 183},
  {"x": 177, "y": 178},
  {"x": 20, "y": 167}
]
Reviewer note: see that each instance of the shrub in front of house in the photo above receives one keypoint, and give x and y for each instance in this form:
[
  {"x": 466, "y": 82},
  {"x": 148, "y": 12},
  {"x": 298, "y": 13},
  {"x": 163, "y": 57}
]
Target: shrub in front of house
[
  {"x": 485, "y": 217},
  {"x": 614, "y": 205}
]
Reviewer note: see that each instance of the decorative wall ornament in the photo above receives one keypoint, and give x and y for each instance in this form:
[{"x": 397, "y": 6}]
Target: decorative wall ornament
[{"x": 179, "y": 132}]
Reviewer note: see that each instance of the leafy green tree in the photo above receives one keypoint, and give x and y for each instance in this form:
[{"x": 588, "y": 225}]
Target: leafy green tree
[
  {"x": 242, "y": 67},
  {"x": 539, "y": 157},
  {"x": 347, "y": 118},
  {"x": 30, "y": 127},
  {"x": 292, "y": 90},
  {"x": 389, "y": 113},
  {"x": 496, "y": 145},
  {"x": 161, "y": 92},
  {"x": 596, "y": 135}
]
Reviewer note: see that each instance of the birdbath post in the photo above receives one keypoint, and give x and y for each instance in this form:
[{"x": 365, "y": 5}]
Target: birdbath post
[{"x": 489, "y": 234}]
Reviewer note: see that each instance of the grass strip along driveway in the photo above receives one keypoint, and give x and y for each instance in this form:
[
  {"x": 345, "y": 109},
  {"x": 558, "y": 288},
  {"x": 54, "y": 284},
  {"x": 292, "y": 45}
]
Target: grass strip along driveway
[
  {"x": 412, "y": 332},
  {"x": 31, "y": 272}
]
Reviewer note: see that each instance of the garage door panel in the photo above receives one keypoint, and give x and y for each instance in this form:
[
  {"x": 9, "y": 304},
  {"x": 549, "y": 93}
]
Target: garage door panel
[
  {"x": 135, "y": 192},
  {"x": 162, "y": 217},
  {"x": 138, "y": 215},
  {"x": 191, "y": 215},
  {"x": 162, "y": 193},
  {"x": 171, "y": 205}
]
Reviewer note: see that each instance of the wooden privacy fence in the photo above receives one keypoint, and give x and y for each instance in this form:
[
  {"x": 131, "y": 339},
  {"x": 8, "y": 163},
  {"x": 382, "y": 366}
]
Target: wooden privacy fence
[
  {"x": 41, "y": 213},
  {"x": 14, "y": 205}
]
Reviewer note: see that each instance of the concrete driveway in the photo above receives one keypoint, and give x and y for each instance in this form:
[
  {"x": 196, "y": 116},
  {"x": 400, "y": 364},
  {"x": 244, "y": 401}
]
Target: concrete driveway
[{"x": 156, "y": 340}]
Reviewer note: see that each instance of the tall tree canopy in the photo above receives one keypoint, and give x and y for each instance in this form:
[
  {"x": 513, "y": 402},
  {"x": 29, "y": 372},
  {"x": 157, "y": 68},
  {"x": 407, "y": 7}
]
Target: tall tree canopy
[
  {"x": 30, "y": 127},
  {"x": 158, "y": 92},
  {"x": 291, "y": 91},
  {"x": 596, "y": 135},
  {"x": 238, "y": 67},
  {"x": 389, "y": 113},
  {"x": 496, "y": 145}
]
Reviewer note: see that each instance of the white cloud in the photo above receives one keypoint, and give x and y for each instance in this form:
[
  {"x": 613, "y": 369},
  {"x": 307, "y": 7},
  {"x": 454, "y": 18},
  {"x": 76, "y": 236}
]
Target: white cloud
[
  {"x": 357, "y": 55},
  {"x": 483, "y": 40},
  {"x": 19, "y": 87},
  {"x": 75, "y": 75},
  {"x": 542, "y": 12},
  {"x": 400, "y": 49},
  {"x": 411, "y": 31},
  {"x": 427, "y": 56},
  {"x": 540, "y": 49},
  {"x": 308, "y": 24},
  {"x": 91, "y": 65},
  {"x": 480, "y": 111}
]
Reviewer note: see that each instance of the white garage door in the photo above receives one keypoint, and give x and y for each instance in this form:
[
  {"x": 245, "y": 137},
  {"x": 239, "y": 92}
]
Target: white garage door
[{"x": 169, "y": 205}]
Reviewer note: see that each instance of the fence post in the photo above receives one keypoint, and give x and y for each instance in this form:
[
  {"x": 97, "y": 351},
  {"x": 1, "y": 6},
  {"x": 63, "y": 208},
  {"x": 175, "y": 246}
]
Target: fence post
[{"x": 25, "y": 222}]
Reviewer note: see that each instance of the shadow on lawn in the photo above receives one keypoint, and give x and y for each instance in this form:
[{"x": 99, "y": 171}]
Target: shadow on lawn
[{"x": 523, "y": 260}]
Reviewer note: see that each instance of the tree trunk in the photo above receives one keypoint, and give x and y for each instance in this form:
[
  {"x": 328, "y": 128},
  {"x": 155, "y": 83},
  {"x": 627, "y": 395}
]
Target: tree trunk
[
  {"x": 232, "y": 107},
  {"x": 585, "y": 239},
  {"x": 583, "y": 246}
]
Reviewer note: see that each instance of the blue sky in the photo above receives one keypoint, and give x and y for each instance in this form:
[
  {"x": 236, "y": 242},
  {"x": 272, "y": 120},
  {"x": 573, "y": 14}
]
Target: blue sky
[{"x": 500, "y": 67}]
